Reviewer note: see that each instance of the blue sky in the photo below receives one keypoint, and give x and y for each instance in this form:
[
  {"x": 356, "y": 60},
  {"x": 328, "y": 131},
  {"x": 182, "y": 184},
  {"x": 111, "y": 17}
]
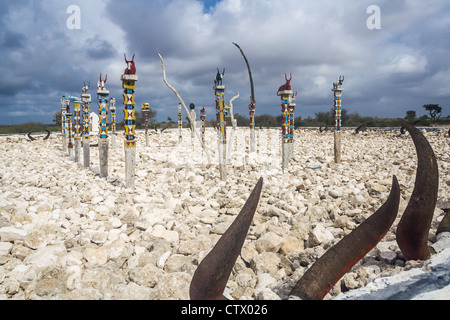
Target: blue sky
[{"x": 388, "y": 71}]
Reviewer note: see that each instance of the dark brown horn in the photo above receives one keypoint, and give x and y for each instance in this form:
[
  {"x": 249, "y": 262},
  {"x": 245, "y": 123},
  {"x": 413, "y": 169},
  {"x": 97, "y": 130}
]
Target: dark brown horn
[
  {"x": 444, "y": 225},
  {"x": 48, "y": 135},
  {"x": 414, "y": 226},
  {"x": 325, "y": 272},
  {"x": 31, "y": 138},
  {"x": 211, "y": 276}
]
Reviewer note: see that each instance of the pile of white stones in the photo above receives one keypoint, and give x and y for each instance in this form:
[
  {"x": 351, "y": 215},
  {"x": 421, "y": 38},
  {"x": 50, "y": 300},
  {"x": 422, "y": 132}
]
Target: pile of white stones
[{"x": 66, "y": 233}]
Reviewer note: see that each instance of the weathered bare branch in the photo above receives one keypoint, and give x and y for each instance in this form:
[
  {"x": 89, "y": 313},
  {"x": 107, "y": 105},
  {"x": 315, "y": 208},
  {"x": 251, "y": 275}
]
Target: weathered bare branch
[{"x": 185, "y": 108}]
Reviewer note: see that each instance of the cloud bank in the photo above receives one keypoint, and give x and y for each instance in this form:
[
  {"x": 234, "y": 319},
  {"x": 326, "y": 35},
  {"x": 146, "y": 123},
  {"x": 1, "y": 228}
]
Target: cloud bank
[{"x": 388, "y": 71}]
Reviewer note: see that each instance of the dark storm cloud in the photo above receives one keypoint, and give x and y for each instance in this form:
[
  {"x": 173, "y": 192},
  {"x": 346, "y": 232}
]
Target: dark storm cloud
[
  {"x": 389, "y": 71},
  {"x": 98, "y": 48}
]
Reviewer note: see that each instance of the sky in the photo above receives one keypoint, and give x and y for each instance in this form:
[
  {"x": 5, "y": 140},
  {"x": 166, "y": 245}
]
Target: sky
[{"x": 394, "y": 59}]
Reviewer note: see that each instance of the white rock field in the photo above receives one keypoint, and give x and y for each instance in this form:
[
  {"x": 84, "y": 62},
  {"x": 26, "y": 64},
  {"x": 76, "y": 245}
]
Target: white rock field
[{"x": 66, "y": 233}]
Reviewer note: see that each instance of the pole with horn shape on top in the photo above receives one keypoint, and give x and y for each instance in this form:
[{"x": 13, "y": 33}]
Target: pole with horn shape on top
[
  {"x": 129, "y": 79},
  {"x": 337, "y": 89},
  {"x": 219, "y": 90},
  {"x": 69, "y": 128},
  {"x": 103, "y": 144},
  {"x": 202, "y": 119},
  {"x": 285, "y": 92},
  {"x": 86, "y": 99}
]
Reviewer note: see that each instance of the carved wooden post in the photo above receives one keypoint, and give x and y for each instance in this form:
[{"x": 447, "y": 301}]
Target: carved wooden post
[
  {"x": 233, "y": 125},
  {"x": 285, "y": 93},
  {"x": 219, "y": 90},
  {"x": 63, "y": 126},
  {"x": 203, "y": 118},
  {"x": 337, "y": 89},
  {"x": 145, "y": 109},
  {"x": 103, "y": 144},
  {"x": 86, "y": 98},
  {"x": 69, "y": 128},
  {"x": 113, "y": 122},
  {"x": 292, "y": 105},
  {"x": 180, "y": 124},
  {"x": 77, "y": 126},
  {"x": 194, "y": 120},
  {"x": 129, "y": 79}
]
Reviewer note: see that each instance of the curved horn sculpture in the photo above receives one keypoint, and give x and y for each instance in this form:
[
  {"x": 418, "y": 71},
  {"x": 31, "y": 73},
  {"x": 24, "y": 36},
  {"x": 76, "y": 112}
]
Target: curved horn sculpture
[
  {"x": 211, "y": 276},
  {"x": 414, "y": 226},
  {"x": 325, "y": 272},
  {"x": 444, "y": 225},
  {"x": 252, "y": 98},
  {"x": 48, "y": 135},
  {"x": 31, "y": 138}
]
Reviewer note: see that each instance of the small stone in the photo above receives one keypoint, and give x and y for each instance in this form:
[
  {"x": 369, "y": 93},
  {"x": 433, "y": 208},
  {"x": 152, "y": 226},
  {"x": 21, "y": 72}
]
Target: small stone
[
  {"x": 5, "y": 248},
  {"x": 12, "y": 234},
  {"x": 270, "y": 242}
]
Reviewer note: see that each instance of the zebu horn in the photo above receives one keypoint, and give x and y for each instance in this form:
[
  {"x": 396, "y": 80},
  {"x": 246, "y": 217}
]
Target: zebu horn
[
  {"x": 211, "y": 276},
  {"x": 326, "y": 272},
  {"x": 414, "y": 226}
]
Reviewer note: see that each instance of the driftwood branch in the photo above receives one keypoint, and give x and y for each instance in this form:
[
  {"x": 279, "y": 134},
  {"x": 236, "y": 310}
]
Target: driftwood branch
[
  {"x": 232, "y": 111},
  {"x": 185, "y": 108}
]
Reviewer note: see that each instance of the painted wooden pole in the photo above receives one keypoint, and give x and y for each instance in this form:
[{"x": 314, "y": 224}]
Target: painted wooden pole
[
  {"x": 285, "y": 92},
  {"x": 113, "y": 122},
  {"x": 219, "y": 90},
  {"x": 145, "y": 109},
  {"x": 194, "y": 120},
  {"x": 292, "y": 105},
  {"x": 202, "y": 119},
  {"x": 86, "y": 99},
  {"x": 63, "y": 126},
  {"x": 129, "y": 79},
  {"x": 77, "y": 126},
  {"x": 180, "y": 124},
  {"x": 337, "y": 89},
  {"x": 69, "y": 129},
  {"x": 103, "y": 143}
]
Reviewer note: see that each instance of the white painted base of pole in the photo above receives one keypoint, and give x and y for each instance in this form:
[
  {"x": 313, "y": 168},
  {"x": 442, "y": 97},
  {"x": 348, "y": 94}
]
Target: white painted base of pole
[
  {"x": 77, "y": 150},
  {"x": 130, "y": 164},
  {"x": 70, "y": 151},
  {"x": 285, "y": 156},
  {"x": 223, "y": 161},
  {"x": 103, "y": 146},
  {"x": 64, "y": 145},
  {"x": 87, "y": 152},
  {"x": 146, "y": 139},
  {"x": 337, "y": 146}
]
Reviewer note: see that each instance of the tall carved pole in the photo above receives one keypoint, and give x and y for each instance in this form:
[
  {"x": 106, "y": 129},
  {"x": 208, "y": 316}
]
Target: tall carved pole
[
  {"x": 194, "y": 119},
  {"x": 63, "y": 125},
  {"x": 285, "y": 93},
  {"x": 292, "y": 105},
  {"x": 77, "y": 125},
  {"x": 337, "y": 89},
  {"x": 113, "y": 122},
  {"x": 103, "y": 144},
  {"x": 145, "y": 109},
  {"x": 203, "y": 118},
  {"x": 180, "y": 124},
  {"x": 219, "y": 90},
  {"x": 129, "y": 79},
  {"x": 86, "y": 99},
  {"x": 251, "y": 106},
  {"x": 69, "y": 128}
]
